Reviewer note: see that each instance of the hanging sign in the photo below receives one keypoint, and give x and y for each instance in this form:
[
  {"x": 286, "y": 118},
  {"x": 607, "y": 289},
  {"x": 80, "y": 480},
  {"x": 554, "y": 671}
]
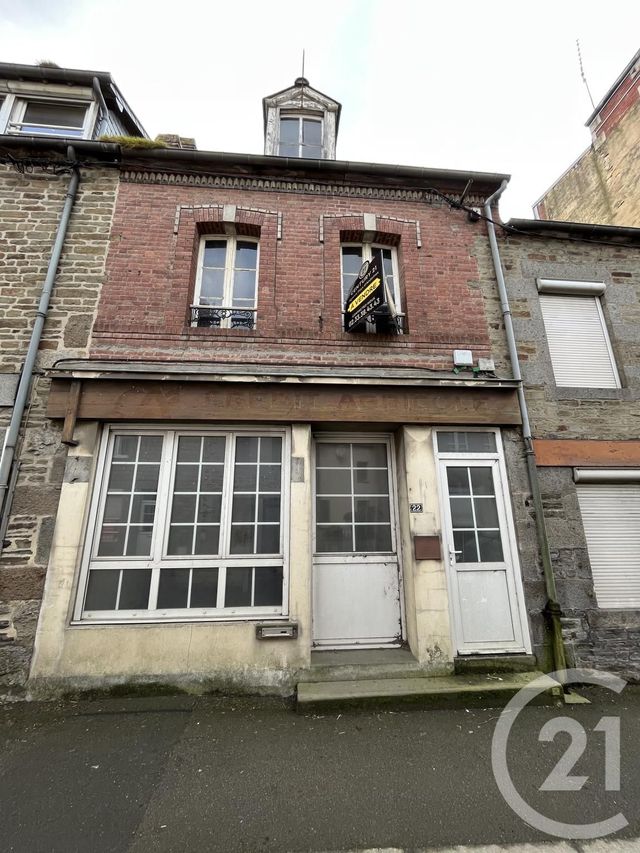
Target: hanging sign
[{"x": 365, "y": 296}]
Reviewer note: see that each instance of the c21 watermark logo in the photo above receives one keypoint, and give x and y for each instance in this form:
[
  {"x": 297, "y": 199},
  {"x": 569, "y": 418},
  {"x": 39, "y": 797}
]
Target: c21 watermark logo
[{"x": 560, "y": 778}]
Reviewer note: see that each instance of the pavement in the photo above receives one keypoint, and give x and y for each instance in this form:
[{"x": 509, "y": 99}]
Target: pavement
[{"x": 221, "y": 774}]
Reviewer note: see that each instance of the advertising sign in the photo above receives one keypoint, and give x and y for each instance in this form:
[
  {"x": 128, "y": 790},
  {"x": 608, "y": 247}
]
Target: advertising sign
[{"x": 366, "y": 295}]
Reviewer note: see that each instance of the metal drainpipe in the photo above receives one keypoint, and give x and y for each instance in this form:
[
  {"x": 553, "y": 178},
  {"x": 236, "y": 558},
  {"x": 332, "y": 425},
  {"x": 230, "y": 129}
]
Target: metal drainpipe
[
  {"x": 104, "y": 112},
  {"x": 552, "y": 609},
  {"x": 22, "y": 393}
]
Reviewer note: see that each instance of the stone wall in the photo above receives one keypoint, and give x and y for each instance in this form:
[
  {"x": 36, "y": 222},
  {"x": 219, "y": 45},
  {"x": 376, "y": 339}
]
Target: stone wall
[{"x": 30, "y": 208}]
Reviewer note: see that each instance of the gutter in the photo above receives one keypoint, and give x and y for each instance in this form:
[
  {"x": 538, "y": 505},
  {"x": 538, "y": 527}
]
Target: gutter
[
  {"x": 24, "y": 385},
  {"x": 623, "y": 233},
  {"x": 553, "y": 611}
]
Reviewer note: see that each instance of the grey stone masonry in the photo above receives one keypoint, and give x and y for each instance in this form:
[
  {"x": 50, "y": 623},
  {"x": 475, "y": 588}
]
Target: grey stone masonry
[{"x": 30, "y": 208}]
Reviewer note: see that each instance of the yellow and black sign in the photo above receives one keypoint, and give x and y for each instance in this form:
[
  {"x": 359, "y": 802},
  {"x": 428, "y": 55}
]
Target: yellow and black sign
[{"x": 365, "y": 296}]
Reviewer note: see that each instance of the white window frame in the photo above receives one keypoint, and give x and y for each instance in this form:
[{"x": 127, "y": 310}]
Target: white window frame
[
  {"x": 229, "y": 270},
  {"x": 300, "y": 117},
  {"x": 367, "y": 255},
  {"x": 159, "y": 559},
  {"x": 588, "y": 290},
  {"x": 14, "y": 107}
]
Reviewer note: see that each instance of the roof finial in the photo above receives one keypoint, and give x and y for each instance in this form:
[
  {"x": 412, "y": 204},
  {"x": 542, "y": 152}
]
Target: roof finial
[
  {"x": 302, "y": 75},
  {"x": 302, "y": 80}
]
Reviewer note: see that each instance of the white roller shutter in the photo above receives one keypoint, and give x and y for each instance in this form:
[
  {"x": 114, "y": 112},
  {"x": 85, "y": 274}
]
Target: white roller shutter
[
  {"x": 611, "y": 518},
  {"x": 578, "y": 342}
]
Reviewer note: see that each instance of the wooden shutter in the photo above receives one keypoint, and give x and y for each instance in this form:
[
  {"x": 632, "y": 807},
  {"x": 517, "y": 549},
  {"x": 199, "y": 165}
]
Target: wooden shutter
[
  {"x": 578, "y": 342},
  {"x": 611, "y": 518}
]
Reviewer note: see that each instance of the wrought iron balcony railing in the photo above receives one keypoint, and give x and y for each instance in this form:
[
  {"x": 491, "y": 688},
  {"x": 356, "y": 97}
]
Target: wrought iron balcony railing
[{"x": 205, "y": 316}]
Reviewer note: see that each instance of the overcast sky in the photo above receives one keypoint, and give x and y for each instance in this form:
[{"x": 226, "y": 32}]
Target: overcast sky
[{"x": 491, "y": 86}]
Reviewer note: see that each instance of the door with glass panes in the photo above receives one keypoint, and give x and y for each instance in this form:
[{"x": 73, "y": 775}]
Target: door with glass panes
[{"x": 356, "y": 588}]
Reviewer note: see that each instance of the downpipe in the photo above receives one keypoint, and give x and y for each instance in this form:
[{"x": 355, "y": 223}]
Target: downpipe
[
  {"x": 552, "y": 609},
  {"x": 26, "y": 375}
]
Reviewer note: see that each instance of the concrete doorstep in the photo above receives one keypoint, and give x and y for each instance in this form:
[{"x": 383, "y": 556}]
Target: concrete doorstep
[{"x": 483, "y": 690}]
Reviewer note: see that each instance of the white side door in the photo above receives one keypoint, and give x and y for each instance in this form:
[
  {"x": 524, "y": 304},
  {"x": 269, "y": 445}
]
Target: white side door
[
  {"x": 486, "y": 595},
  {"x": 356, "y": 588}
]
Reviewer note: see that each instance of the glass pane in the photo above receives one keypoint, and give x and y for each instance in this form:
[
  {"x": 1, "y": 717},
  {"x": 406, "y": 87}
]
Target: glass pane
[
  {"x": 331, "y": 539},
  {"x": 371, "y": 509},
  {"x": 333, "y": 482},
  {"x": 311, "y": 152},
  {"x": 369, "y": 456},
  {"x": 207, "y": 538},
  {"x": 482, "y": 481},
  {"x": 268, "y": 539},
  {"x": 268, "y": 586},
  {"x": 242, "y": 539},
  {"x": 486, "y": 512},
  {"x": 246, "y": 449},
  {"x": 121, "y": 478},
  {"x": 465, "y": 542},
  {"x": 269, "y": 508},
  {"x": 312, "y": 132},
  {"x": 150, "y": 448},
  {"x": 212, "y": 287},
  {"x": 370, "y": 482},
  {"x": 244, "y": 289},
  {"x": 102, "y": 590},
  {"x": 238, "y": 587},
  {"x": 490, "y": 546},
  {"x": 116, "y": 508},
  {"x": 211, "y": 478},
  {"x": 458, "y": 479},
  {"x": 270, "y": 476},
  {"x": 215, "y": 252},
  {"x": 66, "y": 115},
  {"x": 174, "y": 588},
  {"x": 183, "y": 509},
  {"x": 289, "y": 130},
  {"x": 244, "y": 508},
  {"x": 180, "y": 541},
  {"x": 209, "y": 508},
  {"x": 204, "y": 588},
  {"x": 186, "y": 478},
  {"x": 466, "y": 442},
  {"x": 351, "y": 259},
  {"x": 125, "y": 448},
  {"x": 373, "y": 537},
  {"x": 289, "y": 149},
  {"x": 147, "y": 478},
  {"x": 333, "y": 510},
  {"x": 189, "y": 448},
  {"x": 333, "y": 455},
  {"x": 143, "y": 509},
  {"x": 246, "y": 255},
  {"x": 134, "y": 591},
  {"x": 245, "y": 478},
  {"x": 213, "y": 448},
  {"x": 112, "y": 541},
  {"x": 461, "y": 512},
  {"x": 270, "y": 449},
  {"x": 139, "y": 541}
]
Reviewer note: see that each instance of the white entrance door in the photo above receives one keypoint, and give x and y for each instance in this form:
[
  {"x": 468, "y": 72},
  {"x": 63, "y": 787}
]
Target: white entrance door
[
  {"x": 356, "y": 594},
  {"x": 484, "y": 575}
]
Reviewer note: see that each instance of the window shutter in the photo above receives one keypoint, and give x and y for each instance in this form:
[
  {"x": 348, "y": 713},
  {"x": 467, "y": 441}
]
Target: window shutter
[
  {"x": 578, "y": 342},
  {"x": 611, "y": 518}
]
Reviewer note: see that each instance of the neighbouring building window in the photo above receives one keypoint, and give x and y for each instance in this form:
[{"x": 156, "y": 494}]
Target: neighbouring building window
[
  {"x": 34, "y": 117},
  {"x": 186, "y": 524},
  {"x": 611, "y": 518},
  {"x": 301, "y": 136},
  {"x": 226, "y": 283},
  {"x": 353, "y": 255},
  {"x": 577, "y": 335}
]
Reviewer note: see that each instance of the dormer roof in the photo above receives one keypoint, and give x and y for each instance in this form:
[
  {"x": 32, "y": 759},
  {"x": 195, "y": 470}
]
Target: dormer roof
[{"x": 301, "y": 96}]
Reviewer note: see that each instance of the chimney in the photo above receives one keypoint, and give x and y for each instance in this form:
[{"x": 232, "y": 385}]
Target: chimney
[{"x": 172, "y": 140}]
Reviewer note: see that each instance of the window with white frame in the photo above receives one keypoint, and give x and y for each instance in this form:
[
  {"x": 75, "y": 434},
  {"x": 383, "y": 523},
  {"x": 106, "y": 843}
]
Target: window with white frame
[
  {"x": 301, "y": 136},
  {"x": 353, "y": 255},
  {"x": 48, "y": 117},
  {"x": 187, "y": 524},
  {"x": 579, "y": 346},
  {"x": 226, "y": 283}
]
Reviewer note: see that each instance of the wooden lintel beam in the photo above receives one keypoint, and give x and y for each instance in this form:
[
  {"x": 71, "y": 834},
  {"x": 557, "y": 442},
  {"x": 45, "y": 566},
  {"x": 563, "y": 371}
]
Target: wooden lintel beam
[{"x": 71, "y": 413}]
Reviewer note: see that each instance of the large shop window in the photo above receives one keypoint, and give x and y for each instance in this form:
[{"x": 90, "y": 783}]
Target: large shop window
[
  {"x": 187, "y": 525},
  {"x": 226, "y": 283}
]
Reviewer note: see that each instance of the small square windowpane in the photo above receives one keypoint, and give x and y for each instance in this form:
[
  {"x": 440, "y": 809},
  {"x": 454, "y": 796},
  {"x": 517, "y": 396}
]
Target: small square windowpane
[
  {"x": 209, "y": 508},
  {"x": 139, "y": 541},
  {"x": 268, "y": 586},
  {"x": 334, "y": 539},
  {"x": 189, "y": 448},
  {"x": 150, "y": 448},
  {"x": 245, "y": 478},
  {"x": 211, "y": 478},
  {"x": 186, "y": 478},
  {"x": 173, "y": 589},
  {"x": 373, "y": 537},
  {"x": 333, "y": 455},
  {"x": 125, "y": 448},
  {"x": 147, "y": 478},
  {"x": 180, "y": 541},
  {"x": 270, "y": 449},
  {"x": 289, "y": 131},
  {"x": 270, "y": 476},
  {"x": 268, "y": 539},
  {"x": 246, "y": 255},
  {"x": 238, "y": 587},
  {"x": 458, "y": 480},
  {"x": 490, "y": 546},
  {"x": 246, "y": 449},
  {"x": 464, "y": 541},
  {"x": 112, "y": 541},
  {"x": 183, "y": 509},
  {"x": 215, "y": 252},
  {"x": 213, "y": 448},
  {"x": 102, "y": 590},
  {"x": 134, "y": 590},
  {"x": 121, "y": 478},
  {"x": 482, "y": 481},
  {"x": 207, "y": 537},
  {"x": 242, "y": 536},
  {"x": 204, "y": 588},
  {"x": 116, "y": 509}
]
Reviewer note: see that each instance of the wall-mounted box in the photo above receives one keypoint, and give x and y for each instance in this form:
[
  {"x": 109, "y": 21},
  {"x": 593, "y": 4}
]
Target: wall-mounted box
[{"x": 288, "y": 631}]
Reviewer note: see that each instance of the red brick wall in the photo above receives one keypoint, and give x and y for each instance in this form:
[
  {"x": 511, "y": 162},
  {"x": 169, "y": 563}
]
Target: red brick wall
[{"x": 151, "y": 271}]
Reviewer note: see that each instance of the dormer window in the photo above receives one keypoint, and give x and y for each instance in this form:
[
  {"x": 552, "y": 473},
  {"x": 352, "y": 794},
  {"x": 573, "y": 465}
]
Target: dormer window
[
  {"x": 301, "y": 136},
  {"x": 37, "y": 117}
]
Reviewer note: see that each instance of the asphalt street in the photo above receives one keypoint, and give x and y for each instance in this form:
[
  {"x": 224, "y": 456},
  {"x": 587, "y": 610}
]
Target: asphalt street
[{"x": 211, "y": 774}]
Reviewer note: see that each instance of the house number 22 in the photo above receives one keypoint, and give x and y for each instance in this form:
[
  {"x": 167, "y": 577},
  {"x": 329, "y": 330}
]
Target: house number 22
[{"x": 415, "y": 508}]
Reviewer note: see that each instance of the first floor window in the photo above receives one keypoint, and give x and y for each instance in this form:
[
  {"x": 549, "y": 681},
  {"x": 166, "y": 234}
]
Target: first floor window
[
  {"x": 226, "y": 283},
  {"x": 352, "y": 257},
  {"x": 187, "y": 524}
]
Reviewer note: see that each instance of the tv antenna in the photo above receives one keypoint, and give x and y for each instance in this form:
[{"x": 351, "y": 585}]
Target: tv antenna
[{"x": 582, "y": 74}]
